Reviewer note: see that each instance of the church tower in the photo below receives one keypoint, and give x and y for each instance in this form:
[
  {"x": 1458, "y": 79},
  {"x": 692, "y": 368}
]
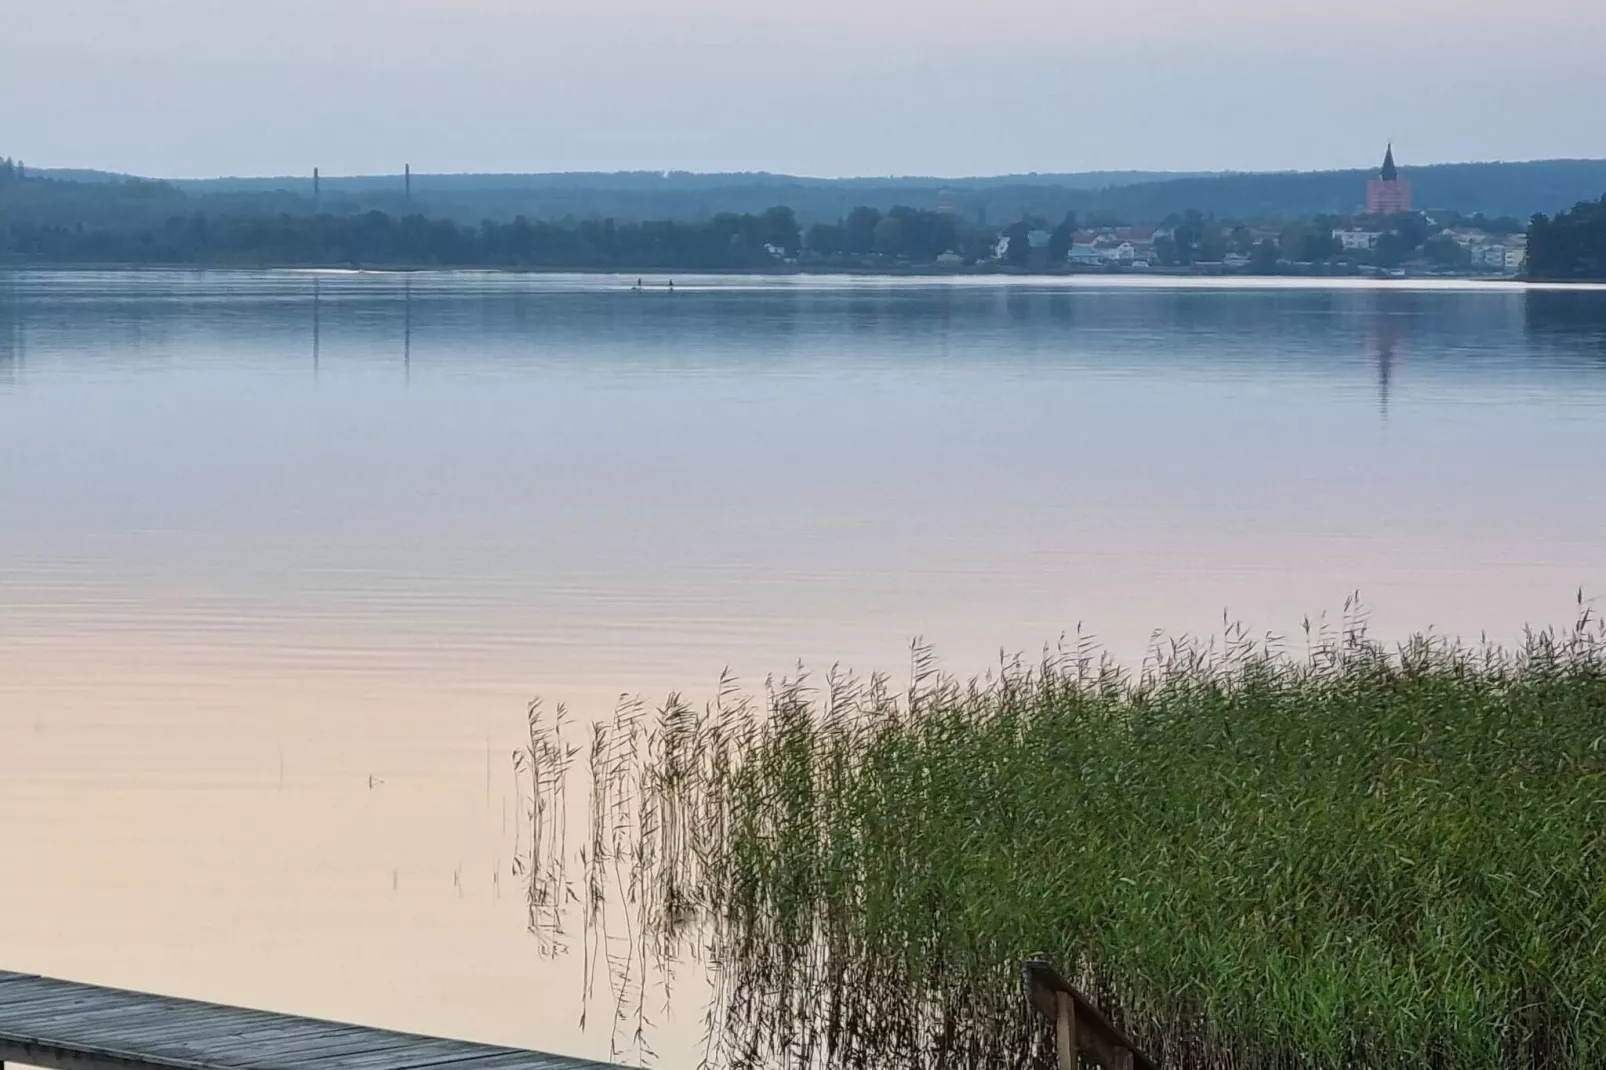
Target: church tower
[{"x": 1388, "y": 193}]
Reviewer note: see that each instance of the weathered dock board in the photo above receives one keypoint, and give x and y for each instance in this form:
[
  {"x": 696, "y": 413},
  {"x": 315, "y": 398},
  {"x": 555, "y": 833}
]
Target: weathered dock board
[{"x": 63, "y": 1025}]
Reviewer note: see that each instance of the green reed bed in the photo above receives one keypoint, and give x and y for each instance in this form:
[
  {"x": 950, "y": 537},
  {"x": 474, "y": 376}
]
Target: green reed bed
[{"x": 1349, "y": 857}]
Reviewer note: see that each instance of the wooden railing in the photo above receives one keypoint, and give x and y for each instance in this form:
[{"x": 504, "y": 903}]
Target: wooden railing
[{"x": 1079, "y": 1027}]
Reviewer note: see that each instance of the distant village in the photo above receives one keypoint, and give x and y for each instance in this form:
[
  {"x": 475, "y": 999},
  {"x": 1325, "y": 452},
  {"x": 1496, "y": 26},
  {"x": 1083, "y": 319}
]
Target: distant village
[
  {"x": 1459, "y": 248},
  {"x": 1385, "y": 235}
]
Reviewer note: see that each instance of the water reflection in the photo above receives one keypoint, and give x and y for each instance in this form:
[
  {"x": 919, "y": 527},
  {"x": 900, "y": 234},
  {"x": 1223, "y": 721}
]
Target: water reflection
[
  {"x": 541, "y": 319},
  {"x": 236, "y": 591},
  {"x": 1563, "y": 317},
  {"x": 12, "y": 345},
  {"x": 317, "y": 323},
  {"x": 1384, "y": 334}
]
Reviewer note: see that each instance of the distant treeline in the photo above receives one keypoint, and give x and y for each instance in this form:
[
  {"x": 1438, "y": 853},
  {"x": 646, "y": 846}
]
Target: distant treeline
[
  {"x": 373, "y": 238},
  {"x": 44, "y": 220},
  {"x": 1495, "y": 189},
  {"x": 1571, "y": 246}
]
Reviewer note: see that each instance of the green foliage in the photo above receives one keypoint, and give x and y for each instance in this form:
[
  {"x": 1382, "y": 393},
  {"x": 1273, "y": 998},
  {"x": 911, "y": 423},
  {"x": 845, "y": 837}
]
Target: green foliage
[
  {"x": 1311, "y": 242},
  {"x": 1059, "y": 240},
  {"x": 1019, "y": 250},
  {"x": 860, "y": 227},
  {"x": 1570, "y": 247},
  {"x": 1352, "y": 859},
  {"x": 1447, "y": 253},
  {"x": 1411, "y": 227},
  {"x": 1264, "y": 257},
  {"x": 374, "y": 238},
  {"x": 827, "y": 239}
]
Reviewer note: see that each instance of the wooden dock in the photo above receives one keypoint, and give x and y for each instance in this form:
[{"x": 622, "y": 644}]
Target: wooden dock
[{"x": 62, "y": 1025}]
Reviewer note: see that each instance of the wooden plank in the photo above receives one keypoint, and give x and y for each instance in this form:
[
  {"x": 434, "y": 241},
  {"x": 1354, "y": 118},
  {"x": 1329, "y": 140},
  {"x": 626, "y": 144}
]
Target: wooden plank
[
  {"x": 1108, "y": 1054},
  {"x": 87, "y": 1057},
  {"x": 89, "y": 1016},
  {"x": 132, "y": 1018},
  {"x": 129, "y": 1028},
  {"x": 1065, "y": 1031},
  {"x": 248, "y": 1054},
  {"x": 513, "y": 1059},
  {"x": 37, "y": 1004},
  {"x": 61, "y": 1025},
  {"x": 417, "y": 1055},
  {"x": 33, "y": 1003},
  {"x": 181, "y": 1018},
  {"x": 279, "y": 1039},
  {"x": 268, "y": 1049},
  {"x": 213, "y": 1035}
]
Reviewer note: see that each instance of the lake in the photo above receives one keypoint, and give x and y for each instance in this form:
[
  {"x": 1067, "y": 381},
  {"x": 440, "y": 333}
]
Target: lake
[{"x": 285, "y": 555}]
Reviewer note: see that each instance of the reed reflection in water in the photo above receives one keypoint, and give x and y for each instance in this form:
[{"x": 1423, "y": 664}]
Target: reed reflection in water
[{"x": 285, "y": 555}]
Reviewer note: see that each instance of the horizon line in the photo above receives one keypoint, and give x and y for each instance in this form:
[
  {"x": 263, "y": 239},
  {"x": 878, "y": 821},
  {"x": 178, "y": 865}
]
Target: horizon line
[{"x": 1159, "y": 175}]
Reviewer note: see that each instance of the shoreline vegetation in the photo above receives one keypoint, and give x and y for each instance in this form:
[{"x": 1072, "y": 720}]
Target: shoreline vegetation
[
  {"x": 45, "y": 222},
  {"x": 1316, "y": 853}
]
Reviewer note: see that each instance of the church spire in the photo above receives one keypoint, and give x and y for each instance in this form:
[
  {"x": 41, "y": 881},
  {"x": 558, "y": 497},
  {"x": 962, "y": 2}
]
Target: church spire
[{"x": 1390, "y": 172}]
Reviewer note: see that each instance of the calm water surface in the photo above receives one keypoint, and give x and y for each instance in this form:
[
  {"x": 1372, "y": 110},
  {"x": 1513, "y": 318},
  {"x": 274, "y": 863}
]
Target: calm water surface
[{"x": 284, "y": 555}]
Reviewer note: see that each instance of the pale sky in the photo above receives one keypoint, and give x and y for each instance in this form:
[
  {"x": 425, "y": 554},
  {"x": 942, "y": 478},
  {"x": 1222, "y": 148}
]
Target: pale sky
[{"x": 181, "y": 88}]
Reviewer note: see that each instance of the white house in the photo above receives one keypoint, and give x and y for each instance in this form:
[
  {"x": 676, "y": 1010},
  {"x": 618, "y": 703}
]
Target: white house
[
  {"x": 1357, "y": 238},
  {"x": 1110, "y": 247},
  {"x": 1084, "y": 252},
  {"x": 1488, "y": 250},
  {"x": 1500, "y": 256}
]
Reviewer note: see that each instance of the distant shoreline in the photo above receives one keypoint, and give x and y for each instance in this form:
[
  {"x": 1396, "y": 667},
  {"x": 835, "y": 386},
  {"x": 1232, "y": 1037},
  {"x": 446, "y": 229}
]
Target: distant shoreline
[{"x": 975, "y": 271}]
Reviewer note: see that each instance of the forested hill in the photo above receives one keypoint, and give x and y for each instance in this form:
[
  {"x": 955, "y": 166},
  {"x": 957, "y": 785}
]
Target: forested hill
[
  {"x": 1515, "y": 190},
  {"x": 1518, "y": 190},
  {"x": 639, "y": 181},
  {"x": 1495, "y": 189}
]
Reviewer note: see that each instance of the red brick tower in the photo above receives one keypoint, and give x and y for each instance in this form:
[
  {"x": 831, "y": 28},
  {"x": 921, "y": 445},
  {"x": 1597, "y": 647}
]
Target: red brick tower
[{"x": 1388, "y": 193}]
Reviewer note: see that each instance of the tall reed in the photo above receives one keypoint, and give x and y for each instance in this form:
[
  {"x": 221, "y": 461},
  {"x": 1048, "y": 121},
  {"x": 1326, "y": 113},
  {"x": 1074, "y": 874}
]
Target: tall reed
[{"x": 1353, "y": 857}]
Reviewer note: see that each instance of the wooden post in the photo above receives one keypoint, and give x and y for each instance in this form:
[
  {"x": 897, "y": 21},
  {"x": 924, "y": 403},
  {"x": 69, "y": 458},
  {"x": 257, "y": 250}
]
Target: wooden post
[
  {"x": 1081, "y": 1032},
  {"x": 1065, "y": 1030}
]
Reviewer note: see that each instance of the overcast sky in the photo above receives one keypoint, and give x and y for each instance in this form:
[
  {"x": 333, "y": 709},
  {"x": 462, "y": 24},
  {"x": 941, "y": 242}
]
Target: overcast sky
[{"x": 825, "y": 87}]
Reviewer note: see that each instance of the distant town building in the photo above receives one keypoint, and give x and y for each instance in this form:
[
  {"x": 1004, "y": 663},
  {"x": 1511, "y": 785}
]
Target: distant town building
[
  {"x": 1357, "y": 239},
  {"x": 1084, "y": 252},
  {"x": 1388, "y": 193},
  {"x": 1132, "y": 246},
  {"x": 1489, "y": 251},
  {"x": 947, "y": 203}
]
